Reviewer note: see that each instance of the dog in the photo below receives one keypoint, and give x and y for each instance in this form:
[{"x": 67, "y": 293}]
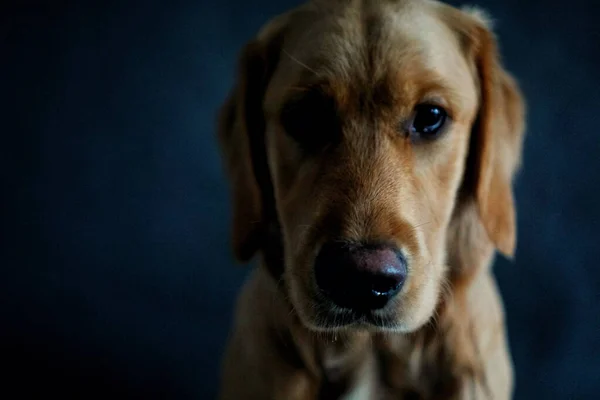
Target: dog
[{"x": 371, "y": 148}]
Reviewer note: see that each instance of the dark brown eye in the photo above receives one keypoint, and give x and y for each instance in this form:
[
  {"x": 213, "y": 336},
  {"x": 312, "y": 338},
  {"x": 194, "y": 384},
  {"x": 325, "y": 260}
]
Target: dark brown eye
[
  {"x": 428, "y": 121},
  {"x": 311, "y": 119}
]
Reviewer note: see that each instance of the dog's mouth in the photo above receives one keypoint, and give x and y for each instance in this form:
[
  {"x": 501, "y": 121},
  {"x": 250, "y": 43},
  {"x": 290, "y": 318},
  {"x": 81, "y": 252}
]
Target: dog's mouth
[
  {"x": 336, "y": 318},
  {"x": 402, "y": 313}
]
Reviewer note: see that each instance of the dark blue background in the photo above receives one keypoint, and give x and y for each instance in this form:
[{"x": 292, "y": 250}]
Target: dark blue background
[{"x": 115, "y": 268}]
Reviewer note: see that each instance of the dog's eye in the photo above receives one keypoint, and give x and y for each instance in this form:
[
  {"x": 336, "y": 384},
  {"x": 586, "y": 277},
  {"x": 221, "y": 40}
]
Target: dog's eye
[
  {"x": 428, "y": 121},
  {"x": 311, "y": 120}
]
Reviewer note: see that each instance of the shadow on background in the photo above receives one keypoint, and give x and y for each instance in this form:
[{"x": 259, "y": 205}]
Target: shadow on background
[{"x": 117, "y": 279}]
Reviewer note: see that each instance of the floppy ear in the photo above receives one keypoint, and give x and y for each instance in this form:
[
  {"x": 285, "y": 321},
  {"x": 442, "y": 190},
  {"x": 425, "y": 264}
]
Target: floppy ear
[
  {"x": 496, "y": 141},
  {"x": 241, "y": 130}
]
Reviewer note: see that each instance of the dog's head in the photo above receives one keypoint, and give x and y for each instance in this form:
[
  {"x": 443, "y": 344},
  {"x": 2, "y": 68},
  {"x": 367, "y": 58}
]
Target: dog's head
[{"x": 355, "y": 131}]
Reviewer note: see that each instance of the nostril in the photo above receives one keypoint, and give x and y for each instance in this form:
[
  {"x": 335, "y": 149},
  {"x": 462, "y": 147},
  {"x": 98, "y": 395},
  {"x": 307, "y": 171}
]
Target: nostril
[
  {"x": 355, "y": 276},
  {"x": 382, "y": 285}
]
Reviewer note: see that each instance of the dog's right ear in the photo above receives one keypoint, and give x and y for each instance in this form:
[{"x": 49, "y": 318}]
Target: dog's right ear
[{"x": 241, "y": 132}]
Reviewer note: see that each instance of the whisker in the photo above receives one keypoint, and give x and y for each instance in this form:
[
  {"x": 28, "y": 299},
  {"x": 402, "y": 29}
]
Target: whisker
[
  {"x": 425, "y": 223},
  {"x": 299, "y": 62}
]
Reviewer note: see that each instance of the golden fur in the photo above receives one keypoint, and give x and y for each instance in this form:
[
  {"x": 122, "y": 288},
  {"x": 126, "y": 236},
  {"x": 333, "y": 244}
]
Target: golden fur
[{"x": 446, "y": 203}]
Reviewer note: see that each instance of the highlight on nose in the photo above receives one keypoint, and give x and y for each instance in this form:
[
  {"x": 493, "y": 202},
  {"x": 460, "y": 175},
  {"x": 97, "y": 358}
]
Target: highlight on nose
[{"x": 360, "y": 277}]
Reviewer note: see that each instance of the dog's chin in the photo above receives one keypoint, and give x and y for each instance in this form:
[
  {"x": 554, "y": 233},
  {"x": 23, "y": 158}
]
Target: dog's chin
[
  {"x": 327, "y": 318},
  {"x": 355, "y": 321}
]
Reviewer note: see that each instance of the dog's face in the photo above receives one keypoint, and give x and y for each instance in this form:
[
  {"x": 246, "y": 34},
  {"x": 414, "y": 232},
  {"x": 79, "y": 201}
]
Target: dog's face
[{"x": 356, "y": 129}]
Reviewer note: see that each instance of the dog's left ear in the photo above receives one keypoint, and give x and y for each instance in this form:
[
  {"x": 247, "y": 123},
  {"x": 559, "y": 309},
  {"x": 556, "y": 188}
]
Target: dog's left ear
[{"x": 497, "y": 136}]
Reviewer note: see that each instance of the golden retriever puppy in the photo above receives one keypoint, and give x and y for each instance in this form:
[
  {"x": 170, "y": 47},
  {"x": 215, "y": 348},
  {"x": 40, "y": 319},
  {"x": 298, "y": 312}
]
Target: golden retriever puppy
[{"x": 371, "y": 147}]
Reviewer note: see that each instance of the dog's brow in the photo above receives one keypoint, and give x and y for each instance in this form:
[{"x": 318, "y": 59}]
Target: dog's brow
[
  {"x": 297, "y": 91},
  {"x": 430, "y": 86}
]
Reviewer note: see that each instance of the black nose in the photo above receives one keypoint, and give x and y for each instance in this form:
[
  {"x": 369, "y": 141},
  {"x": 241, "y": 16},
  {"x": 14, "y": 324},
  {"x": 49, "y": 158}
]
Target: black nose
[{"x": 360, "y": 277}]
